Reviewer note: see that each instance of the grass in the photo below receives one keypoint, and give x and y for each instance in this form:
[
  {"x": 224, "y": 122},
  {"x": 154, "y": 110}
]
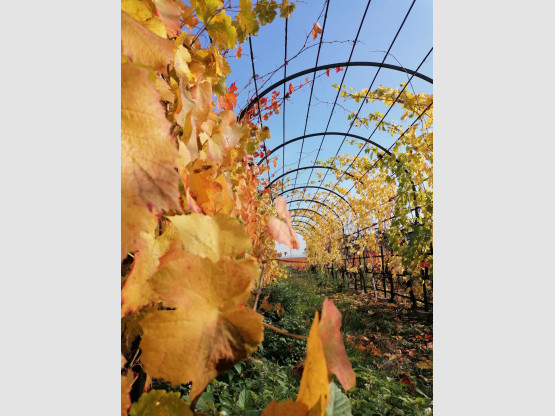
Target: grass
[{"x": 390, "y": 350}]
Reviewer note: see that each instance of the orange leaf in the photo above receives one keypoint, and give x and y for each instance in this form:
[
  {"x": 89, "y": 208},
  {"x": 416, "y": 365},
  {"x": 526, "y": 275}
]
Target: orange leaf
[
  {"x": 170, "y": 11},
  {"x": 334, "y": 350},
  {"x": 205, "y": 329},
  {"x": 285, "y": 408},
  {"x": 281, "y": 229},
  {"x": 291, "y": 88},
  {"x": 229, "y": 100},
  {"x": 265, "y": 306},
  {"x": 144, "y": 47},
  {"x": 146, "y": 146},
  {"x": 306, "y": 80},
  {"x": 315, "y": 30},
  {"x": 238, "y": 52}
]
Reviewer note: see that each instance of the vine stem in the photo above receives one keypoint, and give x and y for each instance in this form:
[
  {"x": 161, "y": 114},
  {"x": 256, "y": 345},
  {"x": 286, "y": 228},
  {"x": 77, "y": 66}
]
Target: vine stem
[
  {"x": 287, "y": 334},
  {"x": 259, "y": 291}
]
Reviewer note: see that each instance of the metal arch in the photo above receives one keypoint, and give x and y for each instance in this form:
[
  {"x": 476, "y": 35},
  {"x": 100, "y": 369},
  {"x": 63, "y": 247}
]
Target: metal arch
[
  {"x": 310, "y": 167},
  {"x": 305, "y": 216},
  {"x": 305, "y": 209},
  {"x": 299, "y": 222},
  {"x": 331, "y": 133},
  {"x": 318, "y": 202},
  {"x": 322, "y": 67},
  {"x": 324, "y": 189},
  {"x": 315, "y": 212},
  {"x": 304, "y": 222}
]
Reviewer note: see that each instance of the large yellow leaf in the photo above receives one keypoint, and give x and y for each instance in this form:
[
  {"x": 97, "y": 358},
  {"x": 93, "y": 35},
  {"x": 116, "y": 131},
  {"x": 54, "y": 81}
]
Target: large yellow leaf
[
  {"x": 208, "y": 329},
  {"x": 142, "y": 46},
  {"x": 148, "y": 152},
  {"x": 211, "y": 237},
  {"x": 315, "y": 389},
  {"x": 314, "y": 392}
]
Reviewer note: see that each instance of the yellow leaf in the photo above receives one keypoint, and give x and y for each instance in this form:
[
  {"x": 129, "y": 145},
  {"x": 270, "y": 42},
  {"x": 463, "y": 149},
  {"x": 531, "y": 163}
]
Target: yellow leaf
[
  {"x": 148, "y": 180},
  {"x": 135, "y": 219},
  {"x": 170, "y": 11},
  {"x": 315, "y": 390},
  {"x": 147, "y": 150},
  {"x": 137, "y": 9},
  {"x": 142, "y": 46},
  {"x": 136, "y": 292},
  {"x": 160, "y": 403},
  {"x": 155, "y": 25},
  {"x": 210, "y": 237},
  {"x": 221, "y": 31},
  {"x": 208, "y": 329},
  {"x": 182, "y": 58},
  {"x": 206, "y": 8}
]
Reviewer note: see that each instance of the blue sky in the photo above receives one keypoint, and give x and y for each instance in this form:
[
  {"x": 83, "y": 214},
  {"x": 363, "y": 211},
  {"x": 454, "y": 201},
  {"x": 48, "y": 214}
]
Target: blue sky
[{"x": 380, "y": 26}]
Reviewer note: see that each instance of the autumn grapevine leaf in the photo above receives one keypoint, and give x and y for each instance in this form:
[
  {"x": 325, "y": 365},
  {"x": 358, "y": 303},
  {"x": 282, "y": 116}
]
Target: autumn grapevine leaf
[{"x": 187, "y": 178}]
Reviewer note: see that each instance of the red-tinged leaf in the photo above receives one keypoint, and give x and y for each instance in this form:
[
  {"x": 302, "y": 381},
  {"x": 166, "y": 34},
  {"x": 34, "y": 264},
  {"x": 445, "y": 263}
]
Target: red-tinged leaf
[
  {"x": 291, "y": 88},
  {"x": 281, "y": 228},
  {"x": 265, "y": 117},
  {"x": 238, "y": 52},
  {"x": 144, "y": 47},
  {"x": 425, "y": 264},
  {"x": 405, "y": 379},
  {"x": 256, "y": 154},
  {"x": 306, "y": 79},
  {"x": 339, "y": 69},
  {"x": 316, "y": 29},
  {"x": 275, "y": 164},
  {"x": 301, "y": 85},
  {"x": 334, "y": 349},
  {"x": 170, "y": 11},
  {"x": 229, "y": 100},
  {"x": 328, "y": 72}
]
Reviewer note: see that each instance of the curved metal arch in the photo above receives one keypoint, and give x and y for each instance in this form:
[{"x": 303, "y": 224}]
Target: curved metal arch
[
  {"x": 299, "y": 222},
  {"x": 322, "y": 188},
  {"x": 306, "y": 223},
  {"x": 301, "y": 215},
  {"x": 310, "y": 167},
  {"x": 331, "y": 133},
  {"x": 305, "y": 209},
  {"x": 328, "y": 66},
  {"x": 315, "y": 212},
  {"x": 318, "y": 202}
]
